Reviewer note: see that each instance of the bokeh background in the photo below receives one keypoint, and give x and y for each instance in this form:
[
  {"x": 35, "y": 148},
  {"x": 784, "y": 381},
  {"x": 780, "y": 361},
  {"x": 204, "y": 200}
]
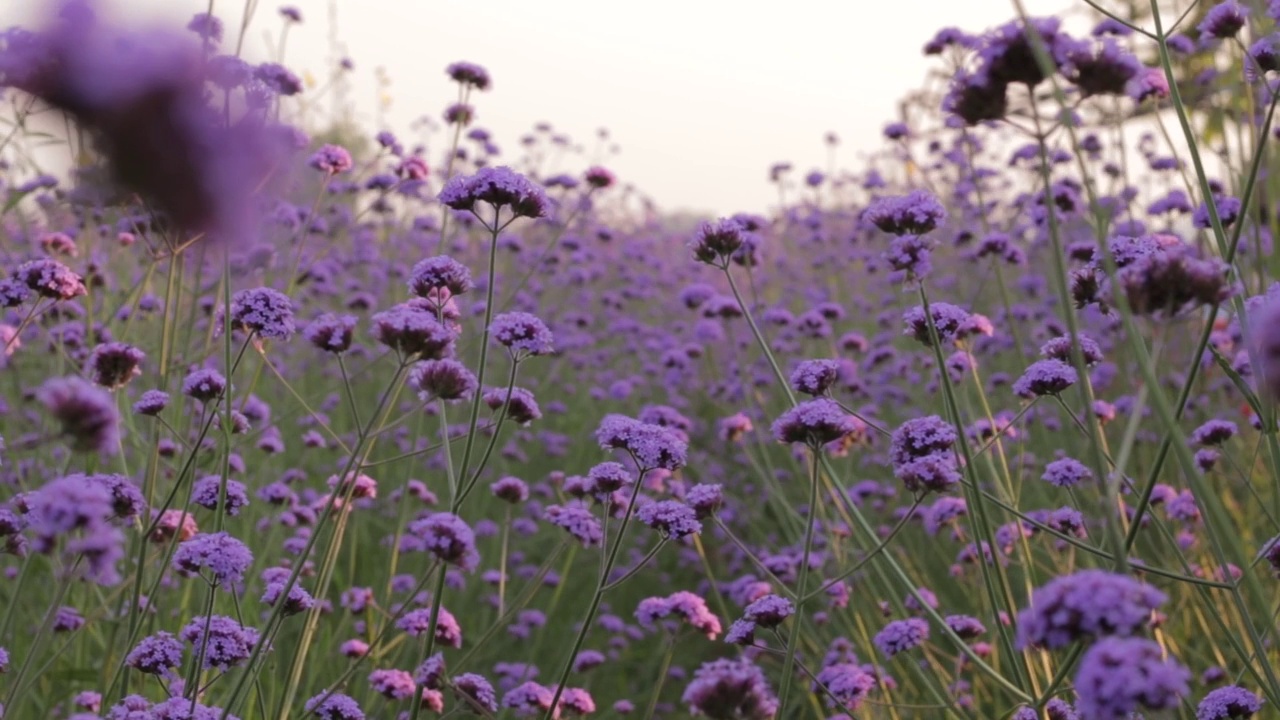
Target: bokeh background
[{"x": 699, "y": 97}]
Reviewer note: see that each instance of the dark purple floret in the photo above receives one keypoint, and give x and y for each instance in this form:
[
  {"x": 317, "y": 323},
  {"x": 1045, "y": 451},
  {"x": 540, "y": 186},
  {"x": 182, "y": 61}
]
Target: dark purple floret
[
  {"x": 473, "y": 689},
  {"x": 974, "y": 97},
  {"x": 608, "y": 477},
  {"x": 769, "y": 611},
  {"x": 577, "y": 521},
  {"x": 334, "y": 706},
  {"x": 921, "y": 437},
  {"x": 446, "y": 379},
  {"x": 653, "y": 446},
  {"x": 331, "y": 160},
  {"x": 672, "y": 518},
  {"x": 449, "y": 538},
  {"x": 50, "y": 279},
  {"x": 1059, "y": 348},
  {"x": 1228, "y": 208},
  {"x": 469, "y": 74},
  {"x": 204, "y": 384},
  {"x": 278, "y": 78},
  {"x": 218, "y": 557},
  {"x": 848, "y": 684},
  {"x": 413, "y": 332},
  {"x": 1265, "y": 54},
  {"x": 730, "y": 689},
  {"x": 86, "y": 414},
  {"x": 1045, "y": 377},
  {"x": 948, "y": 37},
  {"x": 264, "y": 311},
  {"x": 901, "y": 635},
  {"x": 814, "y": 377},
  {"x": 1103, "y": 70},
  {"x": 331, "y": 333},
  {"x": 1008, "y": 54},
  {"x": 1066, "y": 472},
  {"x": 511, "y": 489},
  {"x": 966, "y": 627},
  {"x": 931, "y": 473},
  {"x": 499, "y": 187},
  {"x": 114, "y": 364},
  {"x": 1214, "y": 432},
  {"x": 438, "y": 273},
  {"x": 520, "y": 405},
  {"x": 915, "y": 213},
  {"x": 1119, "y": 676},
  {"x": 715, "y": 242},
  {"x": 522, "y": 333},
  {"x": 1086, "y": 604},
  {"x": 206, "y": 490},
  {"x": 705, "y": 499},
  {"x": 1228, "y": 703},
  {"x": 226, "y": 642},
  {"x": 949, "y": 320},
  {"x": 156, "y": 654},
  {"x": 1224, "y": 20},
  {"x": 815, "y": 423}
]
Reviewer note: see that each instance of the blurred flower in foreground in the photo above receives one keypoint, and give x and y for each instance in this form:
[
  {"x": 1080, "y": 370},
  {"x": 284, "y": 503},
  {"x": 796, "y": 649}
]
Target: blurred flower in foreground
[{"x": 141, "y": 95}]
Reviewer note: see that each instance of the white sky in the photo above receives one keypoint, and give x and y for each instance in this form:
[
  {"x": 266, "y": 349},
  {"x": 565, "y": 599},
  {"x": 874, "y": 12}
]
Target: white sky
[{"x": 702, "y": 96}]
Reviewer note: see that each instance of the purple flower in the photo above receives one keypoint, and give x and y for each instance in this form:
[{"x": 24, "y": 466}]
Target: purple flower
[
  {"x": 577, "y": 521},
  {"x": 469, "y": 74},
  {"x": 672, "y": 518},
  {"x": 815, "y": 423},
  {"x": 577, "y": 701},
  {"x": 1224, "y": 20},
  {"x": 608, "y": 477},
  {"x": 1088, "y": 603},
  {"x": 223, "y": 557},
  {"x": 86, "y": 414},
  {"x": 705, "y": 499},
  {"x": 769, "y": 611},
  {"x": 1059, "y": 348},
  {"x": 264, "y": 311},
  {"x": 449, "y": 538},
  {"x": 901, "y": 635},
  {"x": 50, "y": 279},
  {"x": 475, "y": 690},
  {"x": 530, "y": 699},
  {"x": 916, "y": 213},
  {"x": 1119, "y": 676},
  {"x": 114, "y": 364},
  {"x": 334, "y": 706},
  {"x": 156, "y": 654},
  {"x": 204, "y": 384},
  {"x": 499, "y": 187},
  {"x": 296, "y": 600},
  {"x": 949, "y": 321},
  {"x": 416, "y": 622},
  {"x": 730, "y": 689},
  {"x": 521, "y": 333},
  {"x": 413, "y": 332},
  {"x": 1066, "y": 472},
  {"x": 847, "y": 683},
  {"x": 966, "y": 627},
  {"x": 331, "y": 160},
  {"x": 207, "y": 490},
  {"x": 814, "y": 377},
  {"x": 511, "y": 489},
  {"x": 1227, "y": 703},
  {"x": 1214, "y": 432},
  {"x": 715, "y": 242},
  {"x": 393, "y": 684},
  {"x": 1045, "y": 377},
  {"x": 652, "y": 446},
  {"x": 1104, "y": 69},
  {"x": 438, "y": 273},
  {"x": 931, "y": 473},
  {"x": 921, "y": 437},
  {"x": 520, "y": 405},
  {"x": 225, "y": 642},
  {"x": 331, "y": 333},
  {"x": 446, "y": 379}
]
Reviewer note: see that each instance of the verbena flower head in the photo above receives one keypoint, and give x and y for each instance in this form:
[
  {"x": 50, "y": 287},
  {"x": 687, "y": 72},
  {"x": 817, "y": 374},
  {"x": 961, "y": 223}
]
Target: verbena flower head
[
  {"x": 815, "y": 423},
  {"x": 156, "y": 654},
  {"x": 439, "y": 273},
  {"x": 114, "y": 364},
  {"x": 475, "y": 690},
  {"x": 500, "y": 187},
  {"x": 769, "y": 611},
  {"x": 264, "y": 311},
  {"x": 469, "y": 74},
  {"x": 530, "y": 699},
  {"x": 522, "y": 333},
  {"x": 715, "y": 242},
  {"x": 204, "y": 384},
  {"x": 1214, "y": 432},
  {"x": 226, "y": 642},
  {"x": 449, "y": 538},
  {"x": 205, "y": 492},
  {"x": 1118, "y": 676},
  {"x": 1066, "y": 472},
  {"x": 413, "y": 332},
  {"x": 576, "y": 520},
  {"x": 653, "y": 446},
  {"x": 901, "y": 635},
  {"x": 705, "y": 499},
  {"x": 1224, "y": 20},
  {"x": 331, "y": 333},
  {"x": 814, "y": 377},
  {"x": 86, "y": 415},
  {"x": 1086, "y": 604},
  {"x": 520, "y": 406},
  {"x": 730, "y": 689},
  {"x": 1045, "y": 377},
  {"x": 334, "y": 706},
  {"x": 446, "y": 379},
  {"x": 218, "y": 557},
  {"x": 331, "y": 160},
  {"x": 1059, "y": 348},
  {"x": 974, "y": 97},
  {"x": 1008, "y": 54},
  {"x": 921, "y": 437},
  {"x": 915, "y": 213},
  {"x": 1104, "y": 69},
  {"x": 1228, "y": 703},
  {"x": 848, "y": 684},
  {"x": 948, "y": 320},
  {"x": 672, "y": 518}
]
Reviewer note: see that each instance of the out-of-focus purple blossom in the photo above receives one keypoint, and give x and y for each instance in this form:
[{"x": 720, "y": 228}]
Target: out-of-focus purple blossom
[{"x": 1119, "y": 676}]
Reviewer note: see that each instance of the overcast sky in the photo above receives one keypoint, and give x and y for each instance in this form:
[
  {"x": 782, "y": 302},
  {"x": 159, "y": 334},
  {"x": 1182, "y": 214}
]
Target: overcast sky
[{"x": 702, "y": 96}]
